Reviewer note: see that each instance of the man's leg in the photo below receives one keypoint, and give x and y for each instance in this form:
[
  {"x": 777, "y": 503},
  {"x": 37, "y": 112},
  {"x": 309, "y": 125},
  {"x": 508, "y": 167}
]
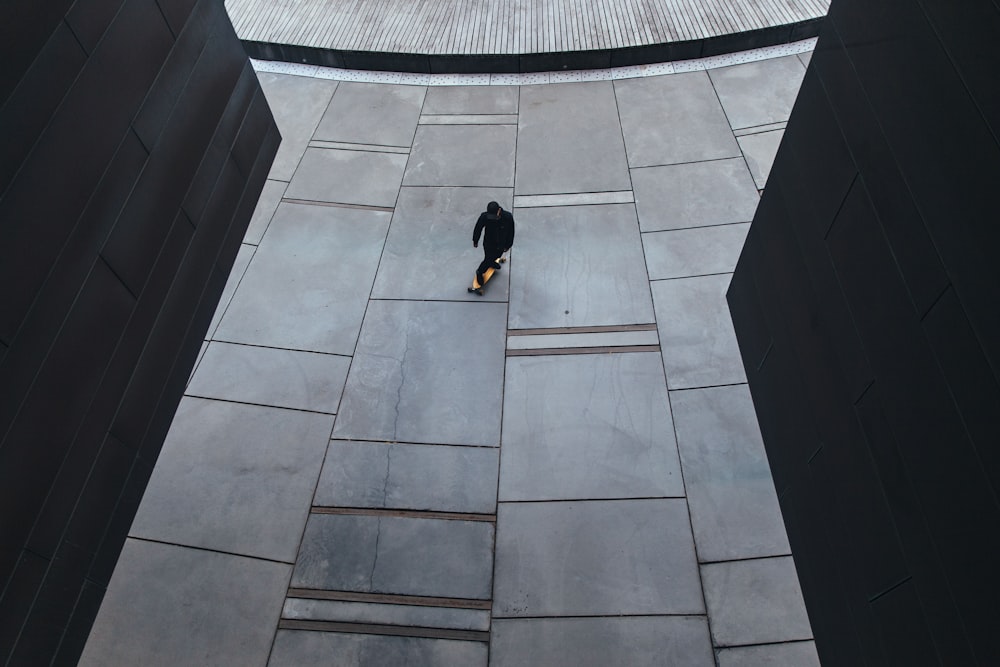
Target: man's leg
[
  {"x": 492, "y": 255},
  {"x": 480, "y": 272}
]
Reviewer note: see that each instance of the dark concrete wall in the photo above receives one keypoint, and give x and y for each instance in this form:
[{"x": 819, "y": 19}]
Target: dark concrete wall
[
  {"x": 134, "y": 142},
  {"x": 867, "y": 306}
]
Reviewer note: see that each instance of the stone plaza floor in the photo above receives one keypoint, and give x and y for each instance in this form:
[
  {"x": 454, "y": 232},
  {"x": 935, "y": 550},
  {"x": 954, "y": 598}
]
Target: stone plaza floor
[{"x": 372, "y": 466}]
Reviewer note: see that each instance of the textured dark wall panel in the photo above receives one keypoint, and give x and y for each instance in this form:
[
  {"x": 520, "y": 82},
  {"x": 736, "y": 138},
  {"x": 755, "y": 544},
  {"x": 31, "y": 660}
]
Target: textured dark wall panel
[
  {"x": 136, "y": 142},
  {"x": 865, "y": 306}
]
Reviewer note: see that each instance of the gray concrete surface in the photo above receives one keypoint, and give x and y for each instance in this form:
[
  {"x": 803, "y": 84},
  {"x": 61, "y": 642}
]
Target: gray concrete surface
[{"x": 358, "y": 453}]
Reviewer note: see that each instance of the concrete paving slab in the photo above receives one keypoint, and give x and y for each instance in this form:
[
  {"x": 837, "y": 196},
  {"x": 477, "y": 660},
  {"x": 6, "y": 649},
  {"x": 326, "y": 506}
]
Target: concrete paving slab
[
  {"x": 298, "y": 104},
  {"x": 414, "y": 477},
  {"x": 734, "y": 507},
  {"x": 696, "y": 332},
  {"x": 371, "y": 113},
  {"x": 608, "y": 557},
  {"x": 587, "y": 426},
  {"x": 348, "y": 177},
  {"x": 760, "y": 150},
  {"x": 295, "y": 648},
  {"x": 243, "y": 257},
  {"x": 429, "y": 253},
  {"x": 793, "y": 654},
  {"x": 471, "y": 100},
  {"x": 760, "y": 92},
  {"x": 201, "y": 354},
  {"x": 309, "y": 283},
  {"x": 267, "y": 376},
  {"x": 234, "y": 478},
  {"x": 672, "y": 119},
  {"x": 755, "y": 602},
  {"x": 169, "y": 605},
  {"x": 649, "y": 641},
  {"x": 396, "y": 555},
  {"x": 694, "y": 195},
  {"x": 806, "y": 58},
  {"x": 578, "y": 266},
  {"x": 698, "y": 251},
  {"x": 569, "y": 140},
  {"x": 386, "y": 614},
  {"x": 426, "y": 372},
  {"x": 463, "y": 155},
  {"x": 270, "y": 197}
]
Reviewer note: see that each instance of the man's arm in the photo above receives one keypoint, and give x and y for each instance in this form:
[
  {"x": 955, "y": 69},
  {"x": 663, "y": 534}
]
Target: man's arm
[
  {"x": 510, "y": 229},
  {"x": 480, "y": 223}
]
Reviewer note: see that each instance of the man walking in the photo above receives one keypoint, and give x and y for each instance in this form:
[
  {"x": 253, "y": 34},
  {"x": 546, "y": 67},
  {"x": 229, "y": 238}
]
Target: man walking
[{"x": 497, "y": 227}]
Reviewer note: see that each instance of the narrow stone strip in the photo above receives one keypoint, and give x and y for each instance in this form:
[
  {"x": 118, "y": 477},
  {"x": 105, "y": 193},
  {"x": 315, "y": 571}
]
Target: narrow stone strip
[
  {"x": 469, "y": 119},
  {"x": 391, "y": 630},
  {"x": 604, "y": 328},
  {"x": 770, "y": 127},
  {"x": 579, "y": 199},
  {"x": 600, "y": 339},
  {"x": 367, "y": 148},
  {"x": 337, "y": 611},
  {"x": 309, "y": 202},
  {"x": 582, "y": 350},
  {"x": 409, "y": 514},
  {"x": 387, "y": 598}
]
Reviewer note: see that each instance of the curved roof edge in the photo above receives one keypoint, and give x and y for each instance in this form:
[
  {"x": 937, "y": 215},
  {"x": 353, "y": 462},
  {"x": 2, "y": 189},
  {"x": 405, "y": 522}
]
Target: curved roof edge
[{"x": 514, "y": 63}]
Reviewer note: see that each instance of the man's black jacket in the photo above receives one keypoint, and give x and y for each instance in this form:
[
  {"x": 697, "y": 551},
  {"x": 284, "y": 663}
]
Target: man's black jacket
[{"x": 499, "y": 230}]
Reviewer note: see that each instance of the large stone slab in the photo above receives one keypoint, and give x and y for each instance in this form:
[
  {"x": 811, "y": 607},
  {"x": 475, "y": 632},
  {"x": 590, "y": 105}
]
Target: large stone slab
[
  {"x": 270, "y": 197},
  {"x": 569, "y": 140},
  {"x": 414, "y": 477},
  {"x": 298, "y": 104},
  {"x": 696, "y": 332},
  {"x": 376, "y": 114},
  {"x": 649, "y": 641},
  {"x": 760, "y": 150},
  {"x": 755, "y": 602},
  {"x": 426, "y": 372},
  {"x": 309, "y": 283},
  {"x": 266, "y": 376},
  {"x": 672, "y": 119},
  {"x": 348, "y": 177},
  {"x": 471, "y": 100},
  {"x": 591, "y": 558},
  {"x": 760, "y": 92},
  {"x": 396, "y": 555},
  {"x": 429, "y": 253},
  {"x": 234, "y": 478},
  {"x": 698, "y": 251},
  {"x": 465, "y": 155},
  {"x": 170, "y": 605},
  {"x": 694, "y": 195},
  {"x": 578, "y": 266},
  {"x": 587, "y": 426},
  {"x": 243, "y": 257},
  {"x": 734, "y": 508},
  {"x": 294, "y": 648}
]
